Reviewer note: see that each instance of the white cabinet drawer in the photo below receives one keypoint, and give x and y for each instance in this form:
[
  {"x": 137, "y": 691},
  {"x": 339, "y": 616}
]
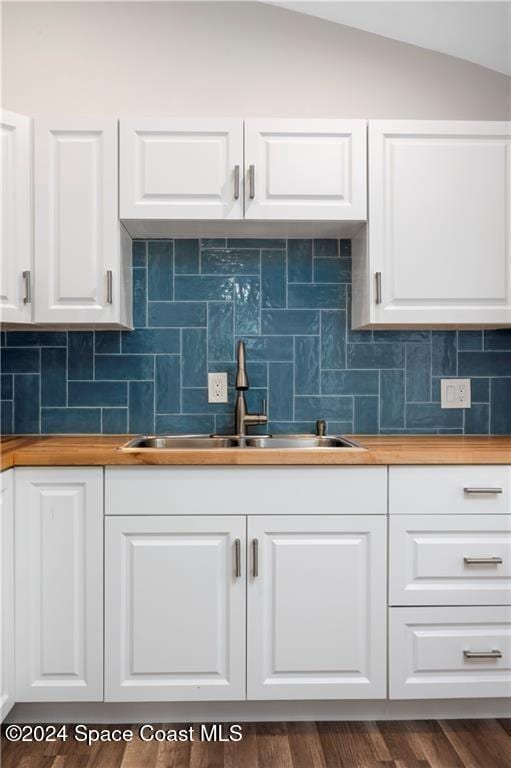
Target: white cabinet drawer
[
  {"x": 246, "y": 490},
  {"x": 449, "y": 490},
  {"x": 433, "y": 653},
  {"x": 450, "y": 560}
]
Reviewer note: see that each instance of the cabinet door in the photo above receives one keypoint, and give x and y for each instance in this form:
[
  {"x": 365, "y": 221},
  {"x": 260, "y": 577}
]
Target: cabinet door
[
  {"x": 78, "y": 249},
  {"x": 175, "y": 608},
  {"x": 59, "y": 584},
  {"x": 311, "y": 170},
  {"x": 317, "y": 606},
  {"x": 440, "y": 222},
  {"x": 181, "y": 169},
  {"x": 16, "y": 218},
  {"x": 7, "y": 593}
]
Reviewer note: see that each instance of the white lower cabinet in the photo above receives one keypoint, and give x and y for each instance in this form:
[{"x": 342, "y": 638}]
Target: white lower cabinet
[
  {"x": 59, "y": 584},
  {"x": 446, "y": 652},
  {"x": 317, "y": 607},
  {"x": 175, "y": 608},
  {"x": 7, "y": 592}
]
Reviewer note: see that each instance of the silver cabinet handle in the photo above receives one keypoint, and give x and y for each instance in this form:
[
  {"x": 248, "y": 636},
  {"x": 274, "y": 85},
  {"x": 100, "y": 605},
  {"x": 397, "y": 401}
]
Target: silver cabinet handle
[
  {"x": 251, "y": 178},
  {"x": 255, "y": 558},
  {"x": 236, "y": 182},
  {"x": 483, "y": 490},
  {"x": 378, "y": 287},
  {"x": 483, "y": 560},
  {"x": 109, "y": 287},
  {"x": 28, "y": 287},
  {"x": 237, "y": 558},
  {"x": 482, "y": 654}
]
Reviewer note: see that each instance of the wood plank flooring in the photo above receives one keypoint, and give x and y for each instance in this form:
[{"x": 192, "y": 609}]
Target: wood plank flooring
[{"x": 397, "y": 744}]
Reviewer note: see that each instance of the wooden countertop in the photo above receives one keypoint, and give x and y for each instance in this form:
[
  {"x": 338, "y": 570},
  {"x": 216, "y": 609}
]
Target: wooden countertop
[{"x": 99, "y": 450}]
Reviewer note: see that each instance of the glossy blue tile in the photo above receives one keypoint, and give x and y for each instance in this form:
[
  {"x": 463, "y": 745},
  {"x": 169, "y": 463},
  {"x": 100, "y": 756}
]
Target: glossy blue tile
[
  {"x": 269, "y": 348},
  {"x": 140, "y": 298},
  {"x": 333, "y": 339},
  {"x": 349, "y": 382},
  {"x": 139, "y": 253},
  {"x": 366, "y": 415},
  {"x": 332, "y": 270},
  {"x": 80, "y": 355},
  {"x": 418, "y": 372},
  {"x": 500, "y": 406},
  {"x": 376, "y": 355},
  {"x": 151, "y": 340},
  {"x": 97, "y": 393},
  {"x": 26, "y": 404},
  {"x": 168, "y": 383},
  {"x": 186, "y": 257},
  {"x": 480, "y": 390},
  {"x": 195, "y": 400},
  {"x": 313, "y": 408},
  {"x": 317, "y": 296},
  {"x": 220, "y": 331},
  {"x": 431, "y": 416},
  {"x": 392, "y": 399},
  {"x": 281, "y": 386},
  {"x": 124, "y": 367},
  {"x": 85, "y": 421},
  {"x": 477, "y": 419},
  {"x": 186, "y": 424},
  {"x": 470, "y": 340},
  {"x": 194, "y": 357},
  {"x": 296, "y": 322},
  {"x": 36, "y": 338},
  {"x": 212, "y": 242},
  {"x": 495, "y": 340},
  {"x": 256, "y": 242},
  {"x": 230, "y": 261},
  {"x": 307, "y": 370},
  {"x": 179, "y": 314},
  {"x": 484, "y": 364},
  {"x": 204, "y": 288},
  {"x": 273, "y": 279},
  {"x": 327, "y": 248},
  {"x": 444, "y": 353},
  {"x": 247, "y": 315},
  {"x": 160, "y": 270},
  {"x": 299, "y": 261},
  {"x": 6, "y": 420},
  {"x": 141, "y": 407},
  {"x": 20, "y": 360},
  {"x": 107, "y": 342},
  {"x": 291, "y": 427},
  {"x": 224, "y": 424},
  {"x": 114, "y": 421},
  {"x": 6, "y": 383},
  {"x": 391, "y": 337},
  {"x": 53, "y": 376}
]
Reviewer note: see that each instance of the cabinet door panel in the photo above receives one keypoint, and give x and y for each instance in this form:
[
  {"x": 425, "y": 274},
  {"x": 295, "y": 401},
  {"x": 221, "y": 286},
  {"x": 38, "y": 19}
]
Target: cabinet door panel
[
  {"x": 175, "y": 609},
  {"x": 76, "y": 221},
  {"x": 7, "y": 592},
  {"x": 181, "y": 169},
  {"x": 59, "y": 584},
  {"x": 306, "y": 169},
  {"x": 16, "y": 217},
  {"x": 317, "y": 608},
  {"x": 440, "y": 230}
]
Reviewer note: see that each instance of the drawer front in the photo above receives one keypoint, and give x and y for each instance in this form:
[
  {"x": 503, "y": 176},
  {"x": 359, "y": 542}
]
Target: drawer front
[
  {"x": 450, "y": 560},
  {"x": 442, "y": 653},
  {"x": 449, "y": 490},
  {"x": 246, "y": 490}
]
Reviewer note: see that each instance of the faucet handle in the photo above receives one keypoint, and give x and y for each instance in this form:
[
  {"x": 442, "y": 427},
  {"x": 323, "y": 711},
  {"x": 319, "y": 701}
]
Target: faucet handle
[{"x": 264, "y": 407}]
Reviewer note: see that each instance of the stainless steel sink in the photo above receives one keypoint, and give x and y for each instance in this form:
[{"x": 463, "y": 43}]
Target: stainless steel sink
[
  {"x": 209, "y": 442},
  {"x": 177, "y": 442},
  {"x": 299, "y": 441}
]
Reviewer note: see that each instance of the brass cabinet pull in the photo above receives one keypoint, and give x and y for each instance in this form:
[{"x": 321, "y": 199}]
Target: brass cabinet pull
[
  {"x": 482, "y": 654},
  {"x": 28, "y": 287},
  {"x": 255, "y": 558},
  {"x": 237, "y": 558},
  {"x": 236, "y": 182},
  {"x": 483, "y": 490},
  {"x": 483, "y": 560},
  {"x": 109, "y": 287},
  {"x": 251, "y": 177}
]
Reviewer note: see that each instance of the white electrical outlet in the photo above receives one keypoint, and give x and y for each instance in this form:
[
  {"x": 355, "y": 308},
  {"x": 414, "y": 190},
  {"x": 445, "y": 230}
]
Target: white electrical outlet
[
  {"x": 455, "y": 393},
  {"x": 217, "y": 387}
]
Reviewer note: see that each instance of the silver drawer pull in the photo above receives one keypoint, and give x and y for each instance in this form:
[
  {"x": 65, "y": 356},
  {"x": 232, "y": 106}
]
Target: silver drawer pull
[
  {"x": 482, "y": 654},
  {"x": 236, "y": 182},
  {"x": 237, "y": 558},
  {"x": 483, "y": 560},
  {"x": 28, "y": 287},
  {"x": 251, "y": 178},
  {"x": 255, "y": 558},
  {"x": 378, "y": 287},
  {"x": 109, "y": 287},
  {"x": 483, "y": 490}
]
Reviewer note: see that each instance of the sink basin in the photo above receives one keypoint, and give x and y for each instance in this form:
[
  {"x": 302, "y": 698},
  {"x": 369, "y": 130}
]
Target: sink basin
[
  {"x": 173, "y": 442},
  {"x": 201, "y": 442},
  {"x": 299, "y": 441}
]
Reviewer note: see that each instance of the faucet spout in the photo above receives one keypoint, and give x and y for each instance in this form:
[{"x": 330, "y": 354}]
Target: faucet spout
[{"x": 242, "y": 418}]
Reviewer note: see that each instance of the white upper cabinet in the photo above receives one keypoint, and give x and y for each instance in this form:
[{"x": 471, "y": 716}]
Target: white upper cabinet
[
  {"x": 82, "y": 253},
  {"x": 438, "y": 246},
  {"x": 16, "y": 219},
  {"x": 311, "y": 170},
  {"x": 181, "y": 169}
]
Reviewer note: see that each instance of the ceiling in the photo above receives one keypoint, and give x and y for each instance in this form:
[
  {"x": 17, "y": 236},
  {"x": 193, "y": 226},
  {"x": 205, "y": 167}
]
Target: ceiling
[{"x": 479, "y": 32}]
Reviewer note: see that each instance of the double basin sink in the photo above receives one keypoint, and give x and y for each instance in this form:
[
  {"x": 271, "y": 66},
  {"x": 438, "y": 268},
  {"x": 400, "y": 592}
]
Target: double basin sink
[{"x": 211, "y": 442}]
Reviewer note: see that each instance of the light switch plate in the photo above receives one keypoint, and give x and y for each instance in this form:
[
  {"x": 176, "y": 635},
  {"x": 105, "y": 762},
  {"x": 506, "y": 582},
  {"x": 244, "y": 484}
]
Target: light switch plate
[
  {"x": 217, "y": 387},
  {"x": 455, "y": 393}
]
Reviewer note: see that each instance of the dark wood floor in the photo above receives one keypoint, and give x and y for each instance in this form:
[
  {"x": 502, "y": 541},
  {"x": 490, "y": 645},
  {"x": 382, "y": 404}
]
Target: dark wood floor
[{"x": 409, "y": 744}]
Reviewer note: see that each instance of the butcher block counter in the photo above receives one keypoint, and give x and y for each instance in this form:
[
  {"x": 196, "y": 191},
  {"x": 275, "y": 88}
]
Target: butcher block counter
[{"x": 100, "y": 450}]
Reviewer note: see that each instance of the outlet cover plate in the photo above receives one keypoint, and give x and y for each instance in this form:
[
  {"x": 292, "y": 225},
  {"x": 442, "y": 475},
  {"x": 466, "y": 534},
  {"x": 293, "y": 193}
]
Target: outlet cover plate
[
  {"x": 217, "y": 387},
  {"x": 455, "y": 393}
]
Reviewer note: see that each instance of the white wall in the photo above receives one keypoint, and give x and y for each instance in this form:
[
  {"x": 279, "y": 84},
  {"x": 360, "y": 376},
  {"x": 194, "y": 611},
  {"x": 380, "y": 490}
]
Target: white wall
[{"x": 215, "y": 58}]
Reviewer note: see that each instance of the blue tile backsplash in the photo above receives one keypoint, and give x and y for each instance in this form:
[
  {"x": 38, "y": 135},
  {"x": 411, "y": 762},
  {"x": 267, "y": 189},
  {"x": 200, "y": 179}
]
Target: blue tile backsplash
[{"x": 290, "y": 302}]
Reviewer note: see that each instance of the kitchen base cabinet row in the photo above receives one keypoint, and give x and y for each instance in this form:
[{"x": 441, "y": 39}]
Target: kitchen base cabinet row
[{"x": 214, "y": 607}]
